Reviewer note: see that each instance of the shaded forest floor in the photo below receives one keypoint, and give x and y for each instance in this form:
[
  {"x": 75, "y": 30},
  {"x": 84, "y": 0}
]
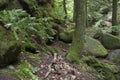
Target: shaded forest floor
[{"x": 51, "y": 67}]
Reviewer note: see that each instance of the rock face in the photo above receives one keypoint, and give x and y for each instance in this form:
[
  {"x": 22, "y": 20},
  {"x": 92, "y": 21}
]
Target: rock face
[
  {"x": 114, "y": 56},
  {"x": 109, "y": 41},
  {"x": 9, "y": 47},
  {"x": 94, "y": 47}
]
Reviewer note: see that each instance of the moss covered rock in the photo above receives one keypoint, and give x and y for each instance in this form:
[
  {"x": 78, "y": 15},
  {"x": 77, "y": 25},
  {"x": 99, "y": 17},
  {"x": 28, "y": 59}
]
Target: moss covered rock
[
  {"x": 9, "y": 47},
  {"x": 114, "y": 56},
  {"x": 66, "y": 37},
  {"x": 109, "y": 41},
  {"x": 105, "y": 71},
  {"x": 94, "y": 47}
]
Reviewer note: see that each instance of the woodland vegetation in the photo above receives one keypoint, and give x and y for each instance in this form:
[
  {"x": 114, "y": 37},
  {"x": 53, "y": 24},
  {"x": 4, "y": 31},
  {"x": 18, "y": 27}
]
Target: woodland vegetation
[{"x": 59, "y": 40}]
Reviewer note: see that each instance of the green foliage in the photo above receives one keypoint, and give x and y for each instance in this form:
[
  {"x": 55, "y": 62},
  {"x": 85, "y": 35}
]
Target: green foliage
[
  {"x": 23, "y": 25},
  {"x": 97, "y": 11},
  {"x": 26, "y": 71},
  {"x": 46, "y": 27},
  {"x": 116, "y": 29},
  {"x": 18, "y": 21},
  {"x": 58, "y": 10},
  {"x": 69, "y": 6}
]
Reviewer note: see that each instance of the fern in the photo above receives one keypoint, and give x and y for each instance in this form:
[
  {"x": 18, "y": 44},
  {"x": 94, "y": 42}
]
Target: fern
[{"x": 23, "y": 25}]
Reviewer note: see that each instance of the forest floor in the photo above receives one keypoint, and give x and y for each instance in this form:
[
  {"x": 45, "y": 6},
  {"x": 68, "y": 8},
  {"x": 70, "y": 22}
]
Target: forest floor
[{"x": 55, "y": 67}]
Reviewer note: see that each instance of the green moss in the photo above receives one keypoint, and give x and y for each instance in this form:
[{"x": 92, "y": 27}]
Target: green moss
[
  {"x": 104, "y": 71},
  {"x": 66, "y": 37},
  {"x": 108, "y": 40},
  {"x": 72, "y": 57},
  {"x": 94, "y": 47}
]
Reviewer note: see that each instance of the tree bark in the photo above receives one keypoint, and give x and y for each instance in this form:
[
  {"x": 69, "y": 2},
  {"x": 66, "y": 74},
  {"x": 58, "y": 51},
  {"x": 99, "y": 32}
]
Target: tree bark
[
  {"x": 78, "y": 37},
  {"x": 74, "y": 11},
  {"x": 65, "y": 9},
  {"x": 114, "y": 12}
]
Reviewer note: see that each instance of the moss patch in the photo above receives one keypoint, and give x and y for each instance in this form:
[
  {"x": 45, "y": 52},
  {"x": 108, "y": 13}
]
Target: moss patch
[
  {"x": 108, "y": 40},
  {"x": 104, "y": 71}
]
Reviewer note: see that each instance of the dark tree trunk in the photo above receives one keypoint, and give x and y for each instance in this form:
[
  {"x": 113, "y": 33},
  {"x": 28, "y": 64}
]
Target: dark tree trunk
[
  {"x": 74, "y": 13},
  {"x": 114, "y": 12},
  {"x": 65, "y": 9}
]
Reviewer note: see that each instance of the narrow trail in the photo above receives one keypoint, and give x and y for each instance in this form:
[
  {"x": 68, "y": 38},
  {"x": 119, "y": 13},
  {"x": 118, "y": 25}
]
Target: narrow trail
[{"x": 55, "y": 67}]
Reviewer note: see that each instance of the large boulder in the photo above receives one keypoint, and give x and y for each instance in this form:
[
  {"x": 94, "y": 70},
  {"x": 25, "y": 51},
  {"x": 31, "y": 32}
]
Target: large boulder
[
  {"x": 109, "y": 41},
  {"x": 94, "y": 47},
  {"x": 114, "y": 56},
  {"x": 9, "y": 47},
  {"x": 104, "y": 70}
]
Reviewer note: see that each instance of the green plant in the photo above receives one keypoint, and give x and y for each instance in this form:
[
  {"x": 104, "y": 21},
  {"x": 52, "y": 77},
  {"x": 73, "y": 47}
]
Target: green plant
[
  {"x": 23, "y": 25},
  {"x": 25, "y": 71}
]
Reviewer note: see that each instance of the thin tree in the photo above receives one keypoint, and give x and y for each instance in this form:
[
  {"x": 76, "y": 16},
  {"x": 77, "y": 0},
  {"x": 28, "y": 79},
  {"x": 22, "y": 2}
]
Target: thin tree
[
  {"x": 114, "y": 12},
  {"x": 74, "y": 11},
  {"x": 65, "y": 9},
  {"x": 77, "y": 45}
]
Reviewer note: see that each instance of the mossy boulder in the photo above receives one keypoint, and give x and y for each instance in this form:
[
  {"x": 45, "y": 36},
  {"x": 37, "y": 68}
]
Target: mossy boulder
[
  {"x": 94, "y": 47},
  {"x": 105, "y": 71},
  {"x": 9, "y": 47},
  {"x": 114, "y": 56},
  {"x": 109, "y": 41},
  {"x": 66, "y": 36}
]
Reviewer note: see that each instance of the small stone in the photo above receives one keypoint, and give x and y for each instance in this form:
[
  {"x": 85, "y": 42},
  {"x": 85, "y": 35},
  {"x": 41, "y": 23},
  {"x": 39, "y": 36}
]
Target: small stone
[{"x": 73, "y": 77}]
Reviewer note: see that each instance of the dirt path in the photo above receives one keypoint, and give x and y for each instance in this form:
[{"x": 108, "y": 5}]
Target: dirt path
[{"x": 55, "y": 67}]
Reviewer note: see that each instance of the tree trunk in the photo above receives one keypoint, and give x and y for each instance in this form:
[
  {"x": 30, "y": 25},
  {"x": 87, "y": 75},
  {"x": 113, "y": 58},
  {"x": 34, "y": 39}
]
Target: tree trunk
[
  {"x": 86, "y": 15},
  {"x": 78, "y": 37},
  {"x": 114, "y": 12},
  {"x": 65, "y": 9},
  {"x": 74, "y": 11}
]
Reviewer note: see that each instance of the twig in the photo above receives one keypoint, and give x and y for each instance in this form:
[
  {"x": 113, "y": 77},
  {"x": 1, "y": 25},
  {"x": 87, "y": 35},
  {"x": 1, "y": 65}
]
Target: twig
[{"x": 50, "y": 66}]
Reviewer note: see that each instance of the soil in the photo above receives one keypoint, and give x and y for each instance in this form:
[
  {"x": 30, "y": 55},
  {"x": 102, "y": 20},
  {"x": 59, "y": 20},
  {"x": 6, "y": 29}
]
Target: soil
[{"x": 7, "y": 77}]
